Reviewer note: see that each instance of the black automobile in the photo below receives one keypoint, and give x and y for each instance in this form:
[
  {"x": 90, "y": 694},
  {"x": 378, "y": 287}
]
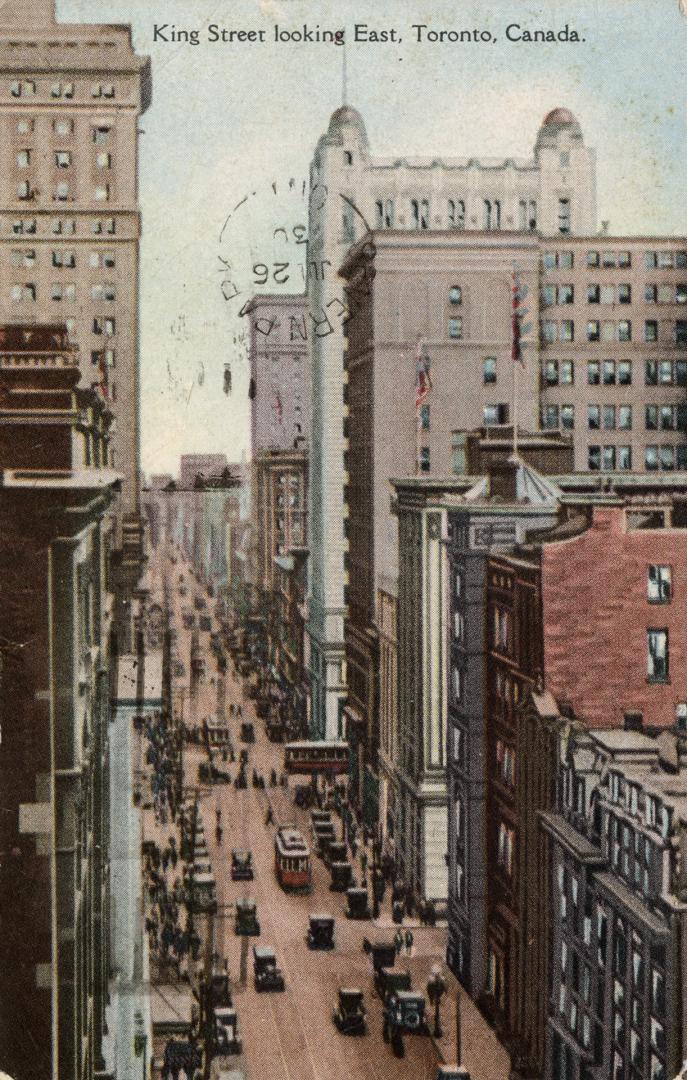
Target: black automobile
[
  {"x": 349, "y": 1014},
  {"x": 241, "y": 866},
  {"x": 323, "y": 834},
  {"x": 334, "y": 851},
  {"x": 382, "y": 953},
  {"x": 247, "y": 732},
  {"x": 225, "y": 1032},
  {"x": 404, "y": 1010},
  {"x": 342, "y": 876},
  {"x": 321, "y": 932},
  {"x": 246, "y": 923},
  {"x": 357, "y": 903},
  {"x": 388, "y": 980},
  {"x": 266, "y": 973}
]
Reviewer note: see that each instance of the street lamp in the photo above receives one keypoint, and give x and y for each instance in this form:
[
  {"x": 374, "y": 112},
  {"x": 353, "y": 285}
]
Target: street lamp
[{"x": 436, "y": 988}]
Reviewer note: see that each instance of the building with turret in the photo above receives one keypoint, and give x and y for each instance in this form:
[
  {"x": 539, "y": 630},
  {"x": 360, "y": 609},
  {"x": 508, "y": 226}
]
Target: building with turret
[{"x": 552, "y": 193}]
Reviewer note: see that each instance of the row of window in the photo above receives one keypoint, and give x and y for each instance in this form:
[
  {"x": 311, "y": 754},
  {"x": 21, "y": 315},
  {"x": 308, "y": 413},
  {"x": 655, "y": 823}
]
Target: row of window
[
  {"x": 63, "y": 128},
  {"x": 385, "y": 211},
  {"x": 62, "y": 226},
  {"x": 62, "y": 257},
  {"x": 617, "y": 372},
  {"x": 612, "y": 260},
  {"x": 615, "y": 294},
  {"x": 610, "y": 458},
  {"x": 610, "y": 330},
  {"x": 617, "y": 417},
  {"x": 62, "y": 191},
  {"x": 63, "y": 159},
  {"x": 26, "y": 88},
  {"x": 60, "y": 291}
]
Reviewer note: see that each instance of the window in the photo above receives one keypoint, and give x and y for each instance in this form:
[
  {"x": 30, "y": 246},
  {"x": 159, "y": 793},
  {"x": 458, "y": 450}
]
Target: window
[
  {"x": 567, "y": 330},
  {"x": 681, "y": 332},
  {"x": 63, "y": 128},
  {"x": 455, "y": 295},
  {"x": 593, "y": 372},
  {"x": 593, "y": 294},
  {"x": 62, "y": 192},
  {"x": 624, "y": 294},
  {"x": 63, "y": 159},
  {"x": 455, "y": 328},
  {"x": 608, "y": 458},
  {"x": 568, "y": 417},
  {"x": 549, "y": 331},
  {"x": 550, "y": 416},
  {"x": 566, "y": 294},
  {"x": 23, "y": 292},
  {"x": 657, "y": 656},
  {"x": 625, "y": 417},
  {"x": 102, "y": 193},
  {"x": 608, "y": 372},
  {"x": 456, "y": 213},
  {"x": 101, "y": 134},
  {"x": 624, "y": 372},
  {"x": 593, "y": 417},
  {"x": 24, "y": 190},
  {"x": 491, "y": 214},
  {"x": 594, "y": 458},
  {"x": 506, "y": 838},
  {"x": 348, "y": 157},
  {"x": 564, "y": 215},
  {"x": 659, "y": 585},
  {"x": 424, "y": 459},
  {"x": 548, "y": 295},
  {"x": 489, "y": 370},
  {"x": 103, "y": 159},
  {"x": 624, "y": 330},
  {"x": 24, "y": 127},
  {"x": 607, "y": 294},
  {"x": 625, "y": 458},
  {"x": 650, "y": 330},
  {"x": 23, "y": 257},
  {"x": 495, "y": 414},
  {"x": 608, "y": 417},
  {"x": 651, "y": 373},
  {"x": 424, "y": 417},
  {"x": 594, "y": 330}
]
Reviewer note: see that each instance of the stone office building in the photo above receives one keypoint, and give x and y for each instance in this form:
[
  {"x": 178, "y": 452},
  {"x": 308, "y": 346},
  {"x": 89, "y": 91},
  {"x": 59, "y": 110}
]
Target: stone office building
[
  {"x": 280, "y": 388},
  {"x": 551, "y": 193},
  {"x": 618, "y": 838},
  {"x": 56, "y": 625}
]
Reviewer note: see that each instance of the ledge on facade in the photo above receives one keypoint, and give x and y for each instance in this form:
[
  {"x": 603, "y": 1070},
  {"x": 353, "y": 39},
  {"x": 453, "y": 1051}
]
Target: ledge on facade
[
  {"x": 571, "y": 839},
  {"x": 620, "y": 894}
]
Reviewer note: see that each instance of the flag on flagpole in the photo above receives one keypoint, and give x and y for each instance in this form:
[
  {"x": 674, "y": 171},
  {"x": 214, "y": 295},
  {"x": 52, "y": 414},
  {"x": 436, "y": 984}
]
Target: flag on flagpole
[{"x": 423, "y": 379}]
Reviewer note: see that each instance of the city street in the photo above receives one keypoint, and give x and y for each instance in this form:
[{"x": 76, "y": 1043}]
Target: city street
[{"x": 291, "y": 1035}]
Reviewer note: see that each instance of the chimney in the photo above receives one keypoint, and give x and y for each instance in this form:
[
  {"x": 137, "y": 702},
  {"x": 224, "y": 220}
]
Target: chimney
[{"x": 633, "y": 721}]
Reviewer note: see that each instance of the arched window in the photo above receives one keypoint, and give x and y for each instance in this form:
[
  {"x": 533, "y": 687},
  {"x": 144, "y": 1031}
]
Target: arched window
[
  {"x": 415, "y": 213},
  {"x": 496, "y": 214},
  {"x": 389, "y": 214},
  {"x": 455, "y": 295},
  {"x": 424, "y": 214},
  {"x": 379, "y": 207},
  {"x": 487, "y": 214},
  {"x": 456, "y": 214},
  {"x": 532, "y": 214}
]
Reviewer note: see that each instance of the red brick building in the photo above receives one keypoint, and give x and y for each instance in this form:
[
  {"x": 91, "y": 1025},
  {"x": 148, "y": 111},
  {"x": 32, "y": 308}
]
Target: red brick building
[{"x": 615, "y": 638}]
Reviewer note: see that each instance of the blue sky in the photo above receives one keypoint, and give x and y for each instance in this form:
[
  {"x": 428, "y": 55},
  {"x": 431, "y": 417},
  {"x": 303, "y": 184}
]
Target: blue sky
[{"x": 226, "y": 119}]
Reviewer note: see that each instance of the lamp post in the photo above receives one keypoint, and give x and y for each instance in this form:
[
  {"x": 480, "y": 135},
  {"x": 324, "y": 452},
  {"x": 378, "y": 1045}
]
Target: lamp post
[{"x": 436, "y": 988}]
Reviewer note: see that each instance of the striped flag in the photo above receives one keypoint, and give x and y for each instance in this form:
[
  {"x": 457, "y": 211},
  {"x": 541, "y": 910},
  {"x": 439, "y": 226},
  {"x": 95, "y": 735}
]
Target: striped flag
[{"x": 423, "y": 380}]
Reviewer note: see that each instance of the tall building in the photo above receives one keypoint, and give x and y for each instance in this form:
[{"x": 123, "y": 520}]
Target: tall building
[
  {"x": 280, "y": 388},
  {"x": 71, "y": 98},
  {"x": 552, "y": 193},
  {"x": 56, "y": 627}
]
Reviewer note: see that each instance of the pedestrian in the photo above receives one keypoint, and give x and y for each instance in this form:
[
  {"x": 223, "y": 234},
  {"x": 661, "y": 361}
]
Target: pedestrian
[
  {"x": 398, "y": 942},
  {"x": 269, "y": 817},
  {"x": 409, "y": 943},
  {"x": 363, "y": 862},
  {"x": 218, "y": 815},
  {"x": 218, "y": 835}
]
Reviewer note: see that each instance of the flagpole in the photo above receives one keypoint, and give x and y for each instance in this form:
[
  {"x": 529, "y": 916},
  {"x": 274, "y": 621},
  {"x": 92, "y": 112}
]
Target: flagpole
[{"x": 516, "y": 387}]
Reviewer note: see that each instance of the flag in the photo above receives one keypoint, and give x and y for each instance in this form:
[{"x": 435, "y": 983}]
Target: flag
[
  {"x": 423, "y": 381},
  {"x": 518, "y": 312}
]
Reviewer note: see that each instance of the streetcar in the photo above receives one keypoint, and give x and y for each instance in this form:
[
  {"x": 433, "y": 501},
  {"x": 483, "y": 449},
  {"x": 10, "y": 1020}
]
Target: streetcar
[
  {"x": 315, "y": 757},
  {"x": 292, "y": 860}
]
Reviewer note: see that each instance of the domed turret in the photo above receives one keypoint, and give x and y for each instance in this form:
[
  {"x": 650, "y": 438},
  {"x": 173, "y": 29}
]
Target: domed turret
[
  {"x": 347, "y": 117},
  {"x": 554, "y": 123}
]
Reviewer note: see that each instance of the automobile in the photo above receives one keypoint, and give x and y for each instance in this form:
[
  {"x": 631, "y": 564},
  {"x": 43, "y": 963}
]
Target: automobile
[
  {"x": 382, "y": 953},
  {"x": 357, "y": 903},
  {"x": 246, "y": 923},
  {"x": 404, "y": 1010},
  {"x": 204, "y": 894},
  {"x": 266, "y": 973},
  {"x": 201, "y": 865},
  {"x": 225, "y": 1031},
  {"x": 321, "y": 932},
  {"x": 323, "y": 833},
  {"x": 349, "y": 1014},
  {"x": 241, "y": 866},
  {"x": 320, "y": 817},
  {"x": 342, "y": 876},
  {"x": 218, "y": 990},
  {"x": 247, "y": 732},
  {"x": 334, "y": 851},
  {"x": 390, "y": 979}
]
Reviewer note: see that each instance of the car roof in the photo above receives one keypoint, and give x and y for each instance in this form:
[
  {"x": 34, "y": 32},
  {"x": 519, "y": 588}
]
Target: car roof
[
  {"x": 322, "y": 917},
  {"x": 263, "y": 952},
  {"x": 350, "y": 990}
]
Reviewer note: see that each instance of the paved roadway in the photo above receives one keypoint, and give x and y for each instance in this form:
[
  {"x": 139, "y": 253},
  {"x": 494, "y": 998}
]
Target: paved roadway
[{"x": 291, "y": 1036}]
